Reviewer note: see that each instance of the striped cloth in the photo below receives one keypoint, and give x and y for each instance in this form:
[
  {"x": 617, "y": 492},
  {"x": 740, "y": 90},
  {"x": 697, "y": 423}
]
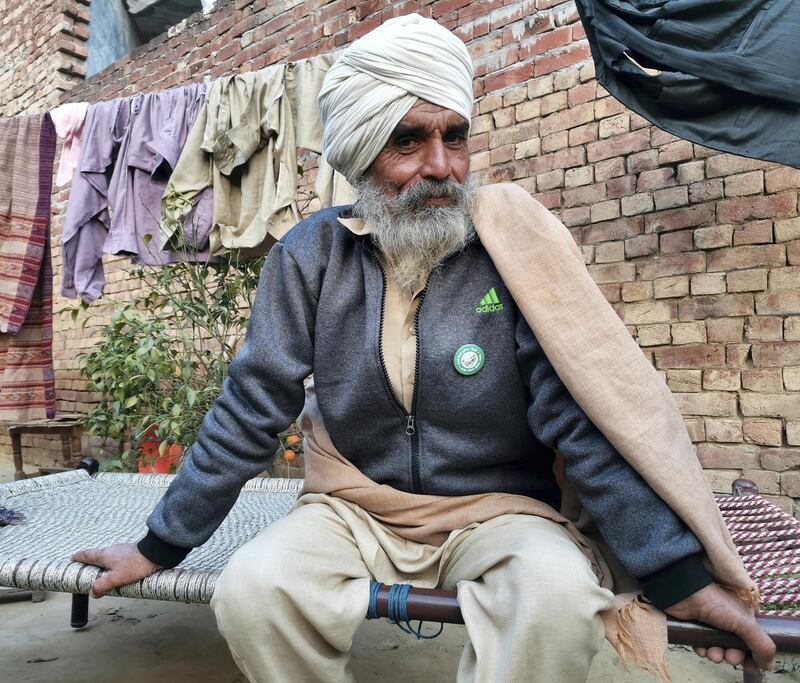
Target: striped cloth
[{"x": 27, "y": 151}]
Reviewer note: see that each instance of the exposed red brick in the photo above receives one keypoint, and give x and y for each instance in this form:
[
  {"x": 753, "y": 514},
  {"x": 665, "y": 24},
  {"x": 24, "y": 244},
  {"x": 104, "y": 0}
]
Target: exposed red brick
[
  {"x": 706, "y": 190},
  {"x": 608, "y": 106},
  {"x": 658, "y": 177},
  {"x": 567, "y": 57},
  {"x": 678, "y": 219},
  {"x": 442, "y": 7},
  {"x": 728, "y": 164},
  {"x": 746, "y": 257},
  {"x": 568, "y": 118},
  {"x": 621, "y": 186},
  {"x": 609, "y": 168},
  {"x": 776, "y": 354},
  {"x": 618, "y": 229},
  {"x": 545, "y": 42},
  {"x": 786, "y": 302},
  {"x": 764, "y": 328},
  {"x": 587, "y": 194},
  {"x": 672, "y": 242},
  {"x": 757, "y": 232},
  {"x": 680, "y": 150},
  {"x": 744, "y": 184},
  {"x": 720, "y": 306},
  {"x": 618, "y": 145},
  {"x": 724, "y": 456},
  {"x": 583, "y": 134},
  {"x": 643, "y": 161},
  {"x": 673, "y": 264},
  {"x": 641, "y": 245},
  {"x": 504, "y": 79},
  {"x": 783, "y": 178},
  {"x": 546, "y": 129},
  {"x": 565, "y": 158},
  {"x": 581, "y": 93},
  {"x": 647, "y": 312},
  {"x": 749, "y": 208}
]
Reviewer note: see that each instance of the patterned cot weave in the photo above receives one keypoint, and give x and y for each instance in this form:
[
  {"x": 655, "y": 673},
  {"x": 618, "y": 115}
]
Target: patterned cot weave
[
  {"x": 768, "y": 540},
  {"x": 69, "y": 511}
]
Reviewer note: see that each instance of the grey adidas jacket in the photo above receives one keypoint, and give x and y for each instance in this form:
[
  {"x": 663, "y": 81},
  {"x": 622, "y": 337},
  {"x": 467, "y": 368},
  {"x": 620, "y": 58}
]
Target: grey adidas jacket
[{"x": 318, "y": 309}]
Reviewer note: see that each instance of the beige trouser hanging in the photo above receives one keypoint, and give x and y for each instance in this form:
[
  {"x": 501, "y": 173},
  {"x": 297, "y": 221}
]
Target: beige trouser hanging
[{"x": 290, "y": 600}]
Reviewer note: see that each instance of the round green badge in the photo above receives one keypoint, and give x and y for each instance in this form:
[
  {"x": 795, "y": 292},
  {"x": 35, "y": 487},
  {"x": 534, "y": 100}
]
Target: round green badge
[{"x": 469, "y": 359}]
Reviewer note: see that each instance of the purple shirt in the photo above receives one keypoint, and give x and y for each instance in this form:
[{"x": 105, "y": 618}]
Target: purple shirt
[
  {"x": 128, "y": 150},
  {"x": 160, "y": 123},
  {"x": 87, "y": 220}
]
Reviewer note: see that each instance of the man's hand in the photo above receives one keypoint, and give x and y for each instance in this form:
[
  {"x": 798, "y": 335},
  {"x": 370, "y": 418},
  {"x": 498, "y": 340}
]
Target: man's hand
[
  {"x": 123, "y": 564},
  {"x": 720, "y": 608}
]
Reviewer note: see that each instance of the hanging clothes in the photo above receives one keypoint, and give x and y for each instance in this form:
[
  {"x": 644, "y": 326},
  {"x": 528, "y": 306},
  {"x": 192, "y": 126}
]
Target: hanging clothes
[
  {"x": 27, "y": 153},
  {"x": 130, "y": 147},
  {"x": 68, "y": 120},
  {"x": 721, "y": 74},
  {"x": 150, "y": 148},
  {"x": 87, "y": 219},
  {"x": 303, "y": 82},
  {"x": 243, "y": 146}
]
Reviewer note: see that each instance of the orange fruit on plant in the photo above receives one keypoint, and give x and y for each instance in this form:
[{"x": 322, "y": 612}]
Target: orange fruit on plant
[
  {"x": 293, "y": 439},
  {"x": 289, "y": 455}
]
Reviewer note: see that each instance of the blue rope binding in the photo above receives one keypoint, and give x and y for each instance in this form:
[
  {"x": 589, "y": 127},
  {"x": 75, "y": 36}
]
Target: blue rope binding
[{"x": 397, "y": 608}]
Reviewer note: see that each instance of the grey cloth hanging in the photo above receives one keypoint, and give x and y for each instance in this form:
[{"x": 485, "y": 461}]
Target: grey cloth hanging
[{"x": 724, "y": 74}]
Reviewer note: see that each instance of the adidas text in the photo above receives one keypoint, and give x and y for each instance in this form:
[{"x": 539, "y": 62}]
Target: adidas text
[{"x": 489, "y": 308}]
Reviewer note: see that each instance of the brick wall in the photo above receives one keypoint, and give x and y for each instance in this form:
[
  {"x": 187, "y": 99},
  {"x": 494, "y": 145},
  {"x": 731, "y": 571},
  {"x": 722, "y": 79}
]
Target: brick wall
[
  {"x": 699, "y": 252},
  {"x": 43, "y": 49}
]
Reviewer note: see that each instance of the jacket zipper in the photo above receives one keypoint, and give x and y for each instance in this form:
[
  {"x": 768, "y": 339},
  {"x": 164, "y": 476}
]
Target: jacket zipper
[
  {"x": 410, "y": 418},
  {"x": 416, "y": 478}
]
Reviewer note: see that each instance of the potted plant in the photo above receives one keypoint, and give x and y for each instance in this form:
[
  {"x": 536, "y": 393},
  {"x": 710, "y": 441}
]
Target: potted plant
[
  {"x": 165, "y": 353},
  {"x": 163, "y": 358}
]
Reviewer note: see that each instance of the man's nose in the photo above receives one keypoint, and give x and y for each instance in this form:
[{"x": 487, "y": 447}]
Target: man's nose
[{"x": 436, "y": 162}]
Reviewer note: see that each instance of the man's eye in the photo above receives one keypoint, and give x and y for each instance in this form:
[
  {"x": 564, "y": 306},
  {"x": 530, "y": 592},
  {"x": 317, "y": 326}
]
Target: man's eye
[
  {"x": 455, "y": 138},
  {"x": 405, "y": 143}
]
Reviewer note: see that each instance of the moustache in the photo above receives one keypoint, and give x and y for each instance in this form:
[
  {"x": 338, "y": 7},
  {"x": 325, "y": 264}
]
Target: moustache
[{"x": 417, "y": 196}]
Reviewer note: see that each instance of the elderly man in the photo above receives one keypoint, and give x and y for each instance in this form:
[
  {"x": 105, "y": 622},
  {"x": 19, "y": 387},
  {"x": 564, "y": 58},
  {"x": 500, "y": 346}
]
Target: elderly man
[{"x": 430, "y": 425}]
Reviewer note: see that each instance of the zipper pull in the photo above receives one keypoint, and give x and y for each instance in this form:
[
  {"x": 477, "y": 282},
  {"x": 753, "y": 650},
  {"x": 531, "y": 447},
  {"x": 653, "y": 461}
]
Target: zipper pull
[{"x": 410, "y": 429}]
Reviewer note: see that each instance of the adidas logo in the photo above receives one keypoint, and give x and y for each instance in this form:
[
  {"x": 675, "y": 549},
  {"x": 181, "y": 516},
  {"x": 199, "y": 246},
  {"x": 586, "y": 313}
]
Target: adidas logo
[{"x": 490, "y": 303}]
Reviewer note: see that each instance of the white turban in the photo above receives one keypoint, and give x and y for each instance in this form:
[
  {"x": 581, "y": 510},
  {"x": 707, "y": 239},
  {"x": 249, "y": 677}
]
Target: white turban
[{"x": 379, "y": 78}]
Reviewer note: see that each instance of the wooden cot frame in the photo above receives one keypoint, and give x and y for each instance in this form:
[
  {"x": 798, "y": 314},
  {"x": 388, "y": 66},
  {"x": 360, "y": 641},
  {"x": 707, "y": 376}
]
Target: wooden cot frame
[{"x": 436, "y": 605}]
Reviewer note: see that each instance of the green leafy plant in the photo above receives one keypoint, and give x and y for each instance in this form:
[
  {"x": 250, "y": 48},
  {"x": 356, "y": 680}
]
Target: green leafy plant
[{"x": 166, "y": 352}]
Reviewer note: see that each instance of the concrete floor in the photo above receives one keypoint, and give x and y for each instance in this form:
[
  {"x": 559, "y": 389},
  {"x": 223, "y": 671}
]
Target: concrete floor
[{"x": 138, "y": 641}]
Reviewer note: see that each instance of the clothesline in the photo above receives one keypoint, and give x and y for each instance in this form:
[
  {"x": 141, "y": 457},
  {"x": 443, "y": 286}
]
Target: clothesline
[
  {"x": 193, "y": 172},
  {"x": 189, "y": 173}
]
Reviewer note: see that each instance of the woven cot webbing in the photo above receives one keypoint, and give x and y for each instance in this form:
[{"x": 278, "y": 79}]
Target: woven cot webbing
[
  {"x": 71, "y": 510},
  {"x": 768, "y": 541}
]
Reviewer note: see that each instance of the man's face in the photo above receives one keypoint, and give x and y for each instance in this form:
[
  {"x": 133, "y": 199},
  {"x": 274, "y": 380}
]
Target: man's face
[{"x": 429, "y": 143}]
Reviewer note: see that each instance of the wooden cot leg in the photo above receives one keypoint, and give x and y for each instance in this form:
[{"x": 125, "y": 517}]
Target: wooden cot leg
[
  {"x": 37, "y": 596},
  {"x": 752, "y": 673},
  {"x": 79, "y": 616},
  {"x": 16, "y": 448},
  {"x": 80, "y": 610},
  {"x": 66, "y": 449}
]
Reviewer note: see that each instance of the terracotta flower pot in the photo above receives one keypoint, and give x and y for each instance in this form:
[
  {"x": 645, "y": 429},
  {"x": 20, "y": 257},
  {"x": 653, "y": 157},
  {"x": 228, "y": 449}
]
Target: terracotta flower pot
[{"x": 152, "y": 462}]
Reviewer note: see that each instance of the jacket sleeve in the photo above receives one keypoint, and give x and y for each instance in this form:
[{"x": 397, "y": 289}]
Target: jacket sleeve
[
  {"x": 261, "y": 396},
  {"x": 645, "y": 535}
]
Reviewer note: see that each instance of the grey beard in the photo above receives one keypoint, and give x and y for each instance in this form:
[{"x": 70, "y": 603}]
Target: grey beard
[{"x": 415, "y": 238}]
